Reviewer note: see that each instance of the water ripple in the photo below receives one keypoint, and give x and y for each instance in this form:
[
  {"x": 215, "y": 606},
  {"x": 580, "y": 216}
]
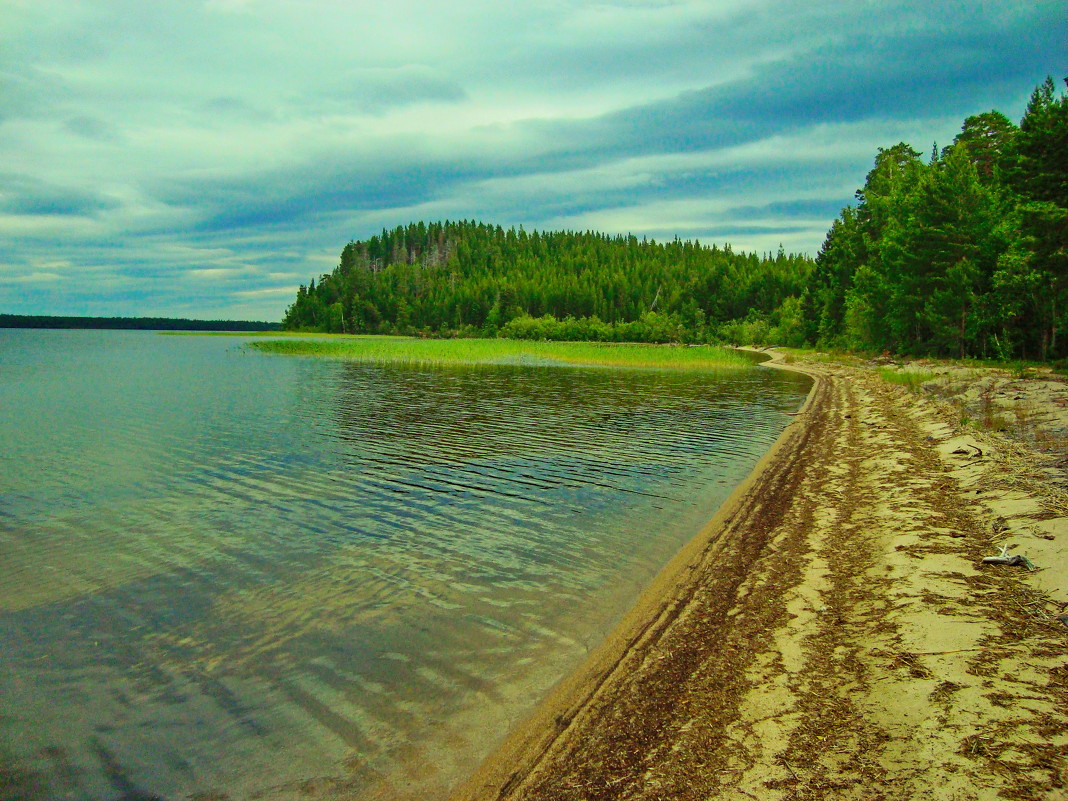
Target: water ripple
[{"x": 210, "y": 558}]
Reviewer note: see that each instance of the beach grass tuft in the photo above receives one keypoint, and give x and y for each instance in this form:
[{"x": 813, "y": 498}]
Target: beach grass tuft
[
  {"x": 410, "y": 350},
  {"x": 911, "y": 379}
]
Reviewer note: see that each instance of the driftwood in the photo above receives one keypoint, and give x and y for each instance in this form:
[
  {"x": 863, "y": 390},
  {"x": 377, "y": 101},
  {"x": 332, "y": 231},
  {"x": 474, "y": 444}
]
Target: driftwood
[{"x": 1004, "y": 558}]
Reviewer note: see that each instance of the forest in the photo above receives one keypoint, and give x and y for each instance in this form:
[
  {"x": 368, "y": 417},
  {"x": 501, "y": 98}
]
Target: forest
[
  {"x": 474, "y": 279},
  {"x": 961, "y": 254}
]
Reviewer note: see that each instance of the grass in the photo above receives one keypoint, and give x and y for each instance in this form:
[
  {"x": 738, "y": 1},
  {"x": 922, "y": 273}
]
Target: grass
[
  {"x": 407, "y": 350},
  {"x": 911, "y": 379},
  {"x": 792, "y": 355}
]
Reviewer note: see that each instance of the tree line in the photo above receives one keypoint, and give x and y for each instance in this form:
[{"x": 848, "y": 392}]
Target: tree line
[
  {"x": 132, "y": 323},
  {"x": 469, "y": 278},
  {"x": 962, "y": 254}
]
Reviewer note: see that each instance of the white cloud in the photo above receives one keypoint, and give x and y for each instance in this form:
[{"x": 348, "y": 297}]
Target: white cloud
[
  {"x": 238, "y": 144},
  {"x": 31, "y": 278},
  {"x": 287, "y": 292},
  {"x": 215, "y": 273}
]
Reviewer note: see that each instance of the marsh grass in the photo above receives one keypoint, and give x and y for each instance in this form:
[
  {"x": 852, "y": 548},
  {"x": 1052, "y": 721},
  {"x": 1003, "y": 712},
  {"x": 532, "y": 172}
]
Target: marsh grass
[
  {"x": 910, "y": 379},
  {"x": 794, "y": 355},
  {"x": 988, "y": 408},
  {"x": 1018, "y": 368},
  {"x": 405, "y": 350}
]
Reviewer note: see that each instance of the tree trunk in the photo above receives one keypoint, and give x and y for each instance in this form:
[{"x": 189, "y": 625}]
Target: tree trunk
[
  {"x": 960, "y": 333},
  {"x": 1053, "y": 323}
]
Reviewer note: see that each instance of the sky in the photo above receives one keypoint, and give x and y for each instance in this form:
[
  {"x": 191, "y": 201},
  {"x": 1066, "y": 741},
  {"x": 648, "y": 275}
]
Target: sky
[{"x": 202, "y": 158}]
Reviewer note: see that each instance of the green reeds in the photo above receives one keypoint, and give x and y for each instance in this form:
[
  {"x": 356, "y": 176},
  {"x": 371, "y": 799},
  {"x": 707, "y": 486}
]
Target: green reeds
[
  {"x": 408, "y": 350},
  {"x": 911, "y": 379}
]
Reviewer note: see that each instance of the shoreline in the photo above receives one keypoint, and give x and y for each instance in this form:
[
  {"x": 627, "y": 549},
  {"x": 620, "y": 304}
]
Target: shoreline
[
  {"x": 658, "y": 604},
  {"x": 861, "y": 649}
]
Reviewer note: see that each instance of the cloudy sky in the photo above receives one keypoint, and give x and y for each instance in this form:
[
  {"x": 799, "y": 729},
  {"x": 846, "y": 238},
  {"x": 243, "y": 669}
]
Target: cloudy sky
[{"x": 202, "y": 158}]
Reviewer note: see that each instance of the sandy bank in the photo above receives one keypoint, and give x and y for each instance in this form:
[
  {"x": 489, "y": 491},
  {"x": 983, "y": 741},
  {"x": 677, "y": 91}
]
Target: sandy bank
[{"x": 833, "y": 633}]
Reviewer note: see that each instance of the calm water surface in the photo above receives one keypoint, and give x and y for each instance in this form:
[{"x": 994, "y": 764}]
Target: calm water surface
[{"x": 232, "y": 573}]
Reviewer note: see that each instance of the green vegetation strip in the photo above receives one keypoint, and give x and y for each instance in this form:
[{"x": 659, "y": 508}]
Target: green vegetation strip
[
  {"x": 912, "y": 379},
  {"x": 407, "y": 350}
]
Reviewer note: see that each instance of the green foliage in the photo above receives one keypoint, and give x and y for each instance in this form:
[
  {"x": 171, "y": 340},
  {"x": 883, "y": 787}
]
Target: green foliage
[
  {"x": 990, "y": 142},
  {"x": 650, "y": 327},
  {"x": 405, "y": 350},
  {"x": 964, "y": 256},
  {"x": 911, "y": 379},
  {"x": 1040, "y": 169},
  {"x": 473, "y": 279}
]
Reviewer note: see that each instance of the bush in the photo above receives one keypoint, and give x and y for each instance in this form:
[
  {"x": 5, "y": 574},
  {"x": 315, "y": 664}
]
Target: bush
[{"x": 651, "y": 327}]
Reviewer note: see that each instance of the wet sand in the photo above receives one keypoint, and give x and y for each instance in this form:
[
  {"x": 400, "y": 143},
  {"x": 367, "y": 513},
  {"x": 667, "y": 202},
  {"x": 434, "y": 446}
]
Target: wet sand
[{"x": 833, "y": 632}]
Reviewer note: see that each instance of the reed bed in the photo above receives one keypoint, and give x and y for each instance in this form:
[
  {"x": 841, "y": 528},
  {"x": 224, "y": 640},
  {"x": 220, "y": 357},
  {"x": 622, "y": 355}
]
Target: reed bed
[
  {"x": 911, "y": 379},
  {"x": 408, "y": 350}
]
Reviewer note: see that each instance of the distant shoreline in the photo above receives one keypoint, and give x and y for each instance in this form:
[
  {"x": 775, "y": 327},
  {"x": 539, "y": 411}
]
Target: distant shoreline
[{"x": 132, "y": 323}]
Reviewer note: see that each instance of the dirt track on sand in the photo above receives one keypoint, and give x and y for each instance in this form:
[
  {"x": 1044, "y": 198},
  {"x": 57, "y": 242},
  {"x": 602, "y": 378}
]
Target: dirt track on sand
[{"x": 832, "y": 634}]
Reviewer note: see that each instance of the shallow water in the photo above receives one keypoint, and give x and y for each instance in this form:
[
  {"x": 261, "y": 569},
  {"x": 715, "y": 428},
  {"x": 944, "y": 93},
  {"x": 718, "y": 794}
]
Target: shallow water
[{"x": 222, "y": 571}]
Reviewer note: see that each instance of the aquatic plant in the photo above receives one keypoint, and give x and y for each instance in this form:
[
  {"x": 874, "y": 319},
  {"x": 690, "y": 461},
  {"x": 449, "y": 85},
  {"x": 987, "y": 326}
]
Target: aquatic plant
[{"x": 408, "y": 350}]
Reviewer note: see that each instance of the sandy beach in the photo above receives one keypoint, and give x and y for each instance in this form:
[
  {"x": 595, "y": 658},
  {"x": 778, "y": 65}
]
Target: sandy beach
[{"x": 834, "y": 631}]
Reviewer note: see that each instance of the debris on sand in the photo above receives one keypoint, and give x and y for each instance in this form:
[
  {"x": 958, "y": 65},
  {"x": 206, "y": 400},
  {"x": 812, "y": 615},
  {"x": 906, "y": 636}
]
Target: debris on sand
[{"x": 1005, "y": 558}]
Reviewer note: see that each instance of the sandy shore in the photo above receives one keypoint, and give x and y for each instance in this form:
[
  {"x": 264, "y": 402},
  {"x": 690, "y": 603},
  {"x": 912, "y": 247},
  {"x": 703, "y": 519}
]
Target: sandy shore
[{"x": 834, "y": 633}]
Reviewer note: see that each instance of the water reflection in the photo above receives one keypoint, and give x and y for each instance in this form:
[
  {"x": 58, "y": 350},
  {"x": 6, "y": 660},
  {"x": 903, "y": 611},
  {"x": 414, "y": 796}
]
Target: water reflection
[{"x": 321, "y": 578}]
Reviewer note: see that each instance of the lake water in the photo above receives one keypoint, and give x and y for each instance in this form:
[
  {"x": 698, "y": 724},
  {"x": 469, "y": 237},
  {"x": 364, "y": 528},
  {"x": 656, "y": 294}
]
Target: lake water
[{"x": 228, "y": 574}]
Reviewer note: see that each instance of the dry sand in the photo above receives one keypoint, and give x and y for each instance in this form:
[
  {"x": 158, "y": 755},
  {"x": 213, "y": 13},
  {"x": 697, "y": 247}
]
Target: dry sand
[{"x": 833, "y": 633}]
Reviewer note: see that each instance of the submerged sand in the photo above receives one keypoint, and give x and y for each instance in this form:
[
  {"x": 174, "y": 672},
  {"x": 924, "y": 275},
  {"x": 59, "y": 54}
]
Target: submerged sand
[{"x": 834, "y": 633}]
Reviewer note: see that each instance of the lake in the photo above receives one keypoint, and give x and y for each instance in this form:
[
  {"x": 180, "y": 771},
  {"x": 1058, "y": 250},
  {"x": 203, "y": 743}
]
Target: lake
[{"x": 230, "y": 574}]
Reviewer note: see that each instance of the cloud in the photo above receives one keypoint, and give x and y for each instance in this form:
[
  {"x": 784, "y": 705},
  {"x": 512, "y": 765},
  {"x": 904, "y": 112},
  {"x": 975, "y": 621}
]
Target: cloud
[
  {"x": 213, "y": 155},
  {"x": 286, "y": 292},
  {"x": 31, "y": 278},
  {"x": 788, "y": 210},
  {"x": 26, "y": 195},
  {"x": 377, "y": 89},
  {"x": 215, "y": 273},
  {"x": 92, "y": 128}
]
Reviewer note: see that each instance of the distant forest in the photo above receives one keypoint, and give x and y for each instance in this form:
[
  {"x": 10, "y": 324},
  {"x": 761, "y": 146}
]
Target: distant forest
[
  {"x": 964, "y": 254},
  {"x": 132, "y": 323}
]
